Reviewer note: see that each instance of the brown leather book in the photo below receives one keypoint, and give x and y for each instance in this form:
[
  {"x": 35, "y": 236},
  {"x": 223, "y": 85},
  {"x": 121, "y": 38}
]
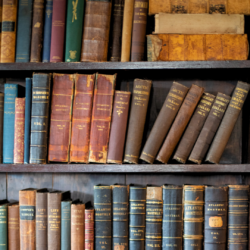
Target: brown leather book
[
  {"x": 227, "y": 124},
  {"x": 13, "y": 227},
  {"x": 89, "y": 229},
  {"x": 164, "y": 121},
  {"x": 194, "y": 128},
  {"x": 137, "y": 118},
  {"x": 81, "y": 118},
  {"x": 209, "y": 129},
  {"x": 37, "y": 31},
  {"x": 101, "y": 117},
  {"x": 184, "y": 115},
  {"x": 118, "y": 127},
  {"x": 61, "y": 112}
]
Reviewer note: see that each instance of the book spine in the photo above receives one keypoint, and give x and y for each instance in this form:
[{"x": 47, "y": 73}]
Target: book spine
[
  {"x": 4, "y": 227},
  {"x": 137, "y": 118},
  {"x": 184, "y": 115},
  {"x": 58, "y": 31},
  {"x": 13, "y": 227},
  {"x": 101, "y": 117},
  {"x": 1, "y": 125},
  {"x": 164, "y": 121},
  {"x": 96, "y": 31},
  {"x": 103, "y": 217},
  {"x": 217, "y": 6},
  {"x": 120, "y": 217},
  {"x": 118, "y": 127},
  {"x": 194, "y": 127},
  {"x": 10, "y": 94},
  {"x": 37, "y": 31},
  {"x": 24, "y": 30},
  {"x": 81, "y": 118},
  {"x": 154, "y": 210},
  {"x": 231, "y": 115},
  {"x": 89, "y": 229},
  {"x": 66, "y": 225},
  {"x": 39, "y": 118},
  {"x": 1, "y": 17},
  {"x": 172, "y": 224},
  {"x": 47, "y": 30},
  {"x": 74, "y": 27}
]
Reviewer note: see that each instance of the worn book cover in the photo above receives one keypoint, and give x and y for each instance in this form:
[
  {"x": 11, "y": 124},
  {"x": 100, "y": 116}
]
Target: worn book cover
[{"x": 13, "y": 227}]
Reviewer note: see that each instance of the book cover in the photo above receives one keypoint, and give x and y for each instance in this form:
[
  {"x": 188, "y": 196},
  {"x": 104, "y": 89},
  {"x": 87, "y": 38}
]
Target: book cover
[
  {"x": 89, "y": 228},
  {"x": 4, "y": 226},
  {"x": 1, "y": 125},
  {"x": 13, "y": 227},
  {"x": 66, "y": 225}
]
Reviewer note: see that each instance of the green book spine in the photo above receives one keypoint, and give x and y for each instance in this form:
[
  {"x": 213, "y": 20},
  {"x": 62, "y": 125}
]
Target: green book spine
[{"x": 3, "y": 227}]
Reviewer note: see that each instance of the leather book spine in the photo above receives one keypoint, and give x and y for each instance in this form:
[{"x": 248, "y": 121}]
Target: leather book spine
[
  {"x": 227, "y": 124},
  {"x": 96, "y": 31},
  {"x": 139, "y": 30},
  {"x": 137, "y": 119},
  {"x": 89, "y": 229},
  {"x": 238, "y": 210},
  {"x": 101, "y": 117},
  {"x": 103, "y": 217},
  {"x": 74, "y": 27},
  {"x": 4, "y": 227},
  {"x": 217, "y": 6},
  {"x": 47, "y": 30},
  {"x": 37, "y": 31},
  {"x": 81, "y": 118},
  {"x": 66, "y": 225},
  {"x": 78, "y": 226},
  {"x": 118, "y": 127},
  {"x": 27, "y": 202},
  {"x": 23, "y": 36},
  {"x": 137, "y": 217},
  {"x": 184, "y": 115},
  {"x": 209, "y": 129},
  {"x": 172, "y": 224},
  {"x": 1, "y": 125},
  {"x": 194, "y": 127},
  {"x": 39, "y": 118},
  {"x": 193, "y": 217},
  {"x": 215, "y": 228},
  {"x": 13, "y": 227},
  {"x": 60, "y": 122},
  {"x": 120, "y": 217},
  {"x": 164, "y": 121},
  {"x": 154, "y": 210},
  {"x": 58, "y": 31},
  {"x": 19, "y": 130}
]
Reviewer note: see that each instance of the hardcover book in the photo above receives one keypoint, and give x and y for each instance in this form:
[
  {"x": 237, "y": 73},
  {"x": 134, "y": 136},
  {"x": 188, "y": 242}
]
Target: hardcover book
[
  {"x": 89, "y": 228},
  {"x": 1, "y": 125},
  {"x": 66, "y": 225},
  {"x": 4, "y": 225},
  {"x": 13, "y": 227}
]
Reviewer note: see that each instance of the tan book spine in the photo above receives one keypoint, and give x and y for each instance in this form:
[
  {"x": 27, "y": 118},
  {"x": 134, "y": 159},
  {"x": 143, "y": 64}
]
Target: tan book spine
[{"x": 13, "y": 227}]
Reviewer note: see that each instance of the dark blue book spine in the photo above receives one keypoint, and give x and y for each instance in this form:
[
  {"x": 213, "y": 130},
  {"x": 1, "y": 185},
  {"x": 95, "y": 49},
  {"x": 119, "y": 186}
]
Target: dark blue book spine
[
  {"x": 47, "y": 30},
  {"x": 4, "y": 227},
  {"x": 24, "y": 30},
  {"x": 10, "y": 91},
  {"x": 66, "y": 225}
]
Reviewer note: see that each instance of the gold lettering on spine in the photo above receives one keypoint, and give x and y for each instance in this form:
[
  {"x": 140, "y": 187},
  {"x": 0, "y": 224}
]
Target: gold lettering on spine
[{"x": 74, "y": 17}]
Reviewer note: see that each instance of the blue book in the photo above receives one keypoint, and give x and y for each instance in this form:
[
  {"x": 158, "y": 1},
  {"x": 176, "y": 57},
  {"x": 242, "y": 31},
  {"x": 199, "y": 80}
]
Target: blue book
[
  {"x": 66, "y": 225},
  {"x": 4, "y": 226},
  {"x": 23, "y": 39},
  {"x": 28, "y": 97},
  {"x": 10, "y": 94},
  {"x": 47, "y": 30}
]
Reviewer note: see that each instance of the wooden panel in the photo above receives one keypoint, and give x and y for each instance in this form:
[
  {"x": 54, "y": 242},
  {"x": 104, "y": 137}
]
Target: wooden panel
[{"x": 3, "y": 188}]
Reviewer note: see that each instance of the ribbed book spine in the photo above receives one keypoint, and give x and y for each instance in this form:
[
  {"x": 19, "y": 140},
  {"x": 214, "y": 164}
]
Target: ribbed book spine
[
  {"x": 66, "y": 225},
  {"x": 13, "y": 227},
  {"x": 1, "y": 125},
  {"x": 4, "y": 227},
  {"x": 89, "y": 229}
]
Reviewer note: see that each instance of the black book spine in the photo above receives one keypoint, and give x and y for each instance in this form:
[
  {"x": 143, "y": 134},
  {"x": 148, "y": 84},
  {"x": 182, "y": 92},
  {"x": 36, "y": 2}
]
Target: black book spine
[
  {"x": 215, "y": 229},
  {"x": 172, "y": 224},
  {"x": 137, "y": 216},
  {"x": 120, "y": 217}
]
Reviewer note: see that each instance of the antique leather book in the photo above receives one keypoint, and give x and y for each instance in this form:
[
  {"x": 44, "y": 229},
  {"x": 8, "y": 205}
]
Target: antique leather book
[
  {"x": 184, "y": 115},
  {"x": 154, "y": 210},
  {"x": 118, "y": 127},
  {"x": 172, "y": 224},
  {"x": 96, "y": 31},
  {"x": 101, "y": 117},
  {"x": 175, "y": 47},
  {"x": 209, "y": 129},
  {"x": 81, "y": 118},
  {"x": 37, "y": 31},
  {"x": 194, "y": 128},
  {"x": 1, "y": 125},
  {"x": 13, "y": 227},
  {"x": 66, "y": 224},
  {"x": 4, "y": 224},
  {"x": 60, "y": 122},
  {"x": 89, "y": 228},
  {"x": 227, "y": 124},
  {"x": 137, "y": 118},
  {"x": 164, "y": 121}
]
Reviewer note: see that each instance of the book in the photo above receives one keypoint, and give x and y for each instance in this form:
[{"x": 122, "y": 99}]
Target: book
[
  {"x": 89, "y": 228},
  {"x": 39, "y": 118},
  {"x": 137, "y": 119},
  {"x": 164, "y": 121},
  {"x": 101, "y": 117},
  {"x": 118, "y": 127},
  {"x": 23, "y": 35},
  {"x": 183, "y": 117},
  {"x": 1, "y": 125},
  {"x": 66, "y": 225},
  {"x": 1, "y": 16},
  {"x": 74, "y": 27},
  {"x": 4, "y": 225},
  {"x": 60, "y": 121},
  {"x": 13, "y": 227},
  {"x": 96, "y": 31},
  {"x": 175, "y": 47}
]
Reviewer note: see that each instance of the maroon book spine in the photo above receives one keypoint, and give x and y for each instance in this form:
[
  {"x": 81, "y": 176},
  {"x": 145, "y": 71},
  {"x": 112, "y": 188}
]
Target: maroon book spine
[{"x": 89, "y": 229}]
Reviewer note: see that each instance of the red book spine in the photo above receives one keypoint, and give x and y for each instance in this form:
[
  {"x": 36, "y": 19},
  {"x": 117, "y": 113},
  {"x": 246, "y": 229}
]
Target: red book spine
[
  {"x": 58, "y": 31},
  {"x": 19, "y": 130},
  {"x": 89, "y": 229}
]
